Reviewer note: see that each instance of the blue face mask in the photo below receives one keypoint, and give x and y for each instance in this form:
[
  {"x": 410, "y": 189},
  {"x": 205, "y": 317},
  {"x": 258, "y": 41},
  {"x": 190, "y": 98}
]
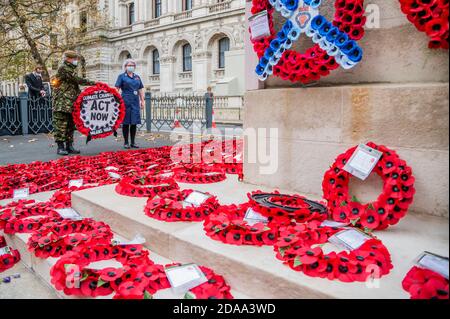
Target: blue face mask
[{"x": 130, "y": 69}]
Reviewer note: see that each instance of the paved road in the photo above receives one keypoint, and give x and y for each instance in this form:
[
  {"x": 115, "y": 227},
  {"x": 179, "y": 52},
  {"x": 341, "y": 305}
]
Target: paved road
[{"x": 41, "y": 147}]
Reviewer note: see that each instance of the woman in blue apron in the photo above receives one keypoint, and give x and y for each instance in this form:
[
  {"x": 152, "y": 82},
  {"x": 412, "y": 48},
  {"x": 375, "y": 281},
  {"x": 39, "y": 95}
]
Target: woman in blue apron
[{"x": 132, "y": 91}]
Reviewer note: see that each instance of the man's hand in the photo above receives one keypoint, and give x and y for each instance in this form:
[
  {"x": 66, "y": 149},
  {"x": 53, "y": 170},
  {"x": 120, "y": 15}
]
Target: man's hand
[
  {"x": 142, "y": 104},
  {"x": 42, "y": 92}
]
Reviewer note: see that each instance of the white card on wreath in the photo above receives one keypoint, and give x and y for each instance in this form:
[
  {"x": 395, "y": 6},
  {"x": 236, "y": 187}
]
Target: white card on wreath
[
  {"x": 332, "y": 223},
  {"x": 21, "y": 193},
  {"x": 5, "y": 251},
  {"x": 137, "y": 240},
  {"x": 114, "y": 175},
  {"x": 259, "y": 25},
  {"x": 252, "y": 217},
  {"x": 185, "y": 277},
  {"x": 350, "y": 239},
  {"x": 111, "y": 168},
  {"x": 69, "y": 213},
  {"x": 196, "y": 198},
  {"x": 362, "y": 161},
  {"x": 76, "y": 183},
  {"x": 435, "y": 263}
]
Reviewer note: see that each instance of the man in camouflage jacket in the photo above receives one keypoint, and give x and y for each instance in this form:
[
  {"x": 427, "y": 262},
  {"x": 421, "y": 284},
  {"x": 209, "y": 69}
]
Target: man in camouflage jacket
[{"x": 67, "y": 88}]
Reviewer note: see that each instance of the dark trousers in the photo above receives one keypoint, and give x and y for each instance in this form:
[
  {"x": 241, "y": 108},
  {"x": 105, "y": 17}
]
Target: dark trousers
[{"x": 129, "y": 130}]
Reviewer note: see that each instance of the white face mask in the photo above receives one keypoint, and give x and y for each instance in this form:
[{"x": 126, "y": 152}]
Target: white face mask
[{"x": 75, "y": 62}]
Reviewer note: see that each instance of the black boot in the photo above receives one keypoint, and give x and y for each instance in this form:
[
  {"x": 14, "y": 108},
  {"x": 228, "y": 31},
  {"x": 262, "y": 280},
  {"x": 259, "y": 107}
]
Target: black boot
[
  {"x": 61, "y": 149},
  {"x": 70, "y": 149}
]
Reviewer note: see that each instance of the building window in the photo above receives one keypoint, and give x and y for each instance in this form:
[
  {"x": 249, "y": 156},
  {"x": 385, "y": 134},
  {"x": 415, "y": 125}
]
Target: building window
[
  {"x": 157, "y": 6},
  {"x": 131, "y": 14},
  {"x": 187, "y": 58},
  {"x": 187, "y": 5},
  {"x": 128, "y": 56},
  {"x": 155, "y": 61},
  {"x": 224, "y": 45}
]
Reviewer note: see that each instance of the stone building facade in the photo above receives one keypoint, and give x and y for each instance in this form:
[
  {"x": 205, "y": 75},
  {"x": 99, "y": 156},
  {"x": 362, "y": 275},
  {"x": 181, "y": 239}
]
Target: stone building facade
[{"x": 179, "y": 45}]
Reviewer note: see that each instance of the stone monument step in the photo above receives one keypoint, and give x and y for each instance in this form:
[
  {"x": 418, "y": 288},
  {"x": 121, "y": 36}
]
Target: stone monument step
[{"x": 256, "y": 270}]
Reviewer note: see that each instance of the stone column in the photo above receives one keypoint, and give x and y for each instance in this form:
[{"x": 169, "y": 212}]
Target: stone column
[
  {"x": 200, "y": 74},
  {"x": 167, "y": 67}
]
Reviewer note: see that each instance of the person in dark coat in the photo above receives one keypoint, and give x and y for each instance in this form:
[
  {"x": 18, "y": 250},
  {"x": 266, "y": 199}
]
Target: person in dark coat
[
  {"x": 34, "y": 83},
  {"x": 133, "y": 94}
]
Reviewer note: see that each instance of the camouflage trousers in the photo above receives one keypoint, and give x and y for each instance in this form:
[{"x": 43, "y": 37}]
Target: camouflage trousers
[{"x": 63, "y": 127}]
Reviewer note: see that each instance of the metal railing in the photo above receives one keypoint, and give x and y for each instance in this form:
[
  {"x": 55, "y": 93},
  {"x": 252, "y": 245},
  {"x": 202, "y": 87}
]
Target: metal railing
[
  {"x": 166, "y": 112},
  {"x": 220, "y": 6},
  {"x": 10, "y": 116},
  {"x": 24, "y": 115}
]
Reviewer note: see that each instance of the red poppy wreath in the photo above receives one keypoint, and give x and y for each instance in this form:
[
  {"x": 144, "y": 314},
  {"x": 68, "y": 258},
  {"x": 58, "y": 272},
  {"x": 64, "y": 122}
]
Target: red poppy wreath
[
  {"x": 56, "y": 238},
  {"x": 346, "y": 28},
  {"x": 299, "y": 247},
  {"x": 27, "y": 217},
  {"x": 391, "y": 205},
  {"x": 149, "y": 279},
  {"x": 171, "y": 207},
  {"x": 98, "y": 111},
  {"x": 284, "y": 209},
  {"x": 227, "y": 225},
  {"x": 8, "y": 256},
  {"x": 431, "y": 17},
  {"x": 199, "y": 174},
  {"x": 145, "y": 185},
  {"x": 425, "y": 284},
  {"x": 72, "y": 274}
]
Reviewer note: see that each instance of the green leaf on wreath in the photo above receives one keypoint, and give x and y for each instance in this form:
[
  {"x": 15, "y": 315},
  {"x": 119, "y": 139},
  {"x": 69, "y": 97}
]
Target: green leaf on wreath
[
  {"x": 282, "y": 250},
  {"x": 101, "y": 282},
  {"x": 370, "y": 207},
  {"x": 142, "y": 180},
  {"x": 368, "y": 230},
  {"x": 147, "y": 295},
  {"x": 297, "y": 262},
  {"x": 266, "y": 228},
  {"x": 189, "y": 295},
  {"x": 85, "y": 276},
  {"x": 344, "y": 203},
  {"x": 355, "y": 221},
  {"x": 355, "y": 199}
]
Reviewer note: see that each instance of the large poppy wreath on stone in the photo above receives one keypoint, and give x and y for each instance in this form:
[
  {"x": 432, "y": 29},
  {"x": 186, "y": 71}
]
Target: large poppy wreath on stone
[
  {"x": 391, "y": 205},
  {"x": 98, "y": 111}
]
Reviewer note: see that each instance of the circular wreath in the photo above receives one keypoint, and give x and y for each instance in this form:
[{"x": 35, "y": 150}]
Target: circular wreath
[
  {"x": 56, "y": 238},
  {"x": 299, "y": 247},
  {"x": 199, "y": 174},
  {"x": 145, "y": 185},
  {"x": 169, "y": 207},
  {"x": 431, "y": 17},
  {"x": 284, "y": 209},
  {"x": 27, "y": 217},
  {"x": 63, "y": 197},
  {"x": 8, "y": 260},
  {"x": 7, "y": 188},
  {"x": 315, "y": 62},
  {"x": 93, "y": 282},
  {"x": 227, "y": 225},
  {"x": 82, "y": 122},
  {"x": 425, "y": 284},
  {"x": 391, "y": 205}
]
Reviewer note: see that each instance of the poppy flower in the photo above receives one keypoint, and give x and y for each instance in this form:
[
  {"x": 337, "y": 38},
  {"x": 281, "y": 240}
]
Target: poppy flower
[
  {"x": 235, "y": 238},
  {"x": 370, "y": 220},
  {"x": 309, "y": 255},
  {"x": 111, "y": 274}
]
